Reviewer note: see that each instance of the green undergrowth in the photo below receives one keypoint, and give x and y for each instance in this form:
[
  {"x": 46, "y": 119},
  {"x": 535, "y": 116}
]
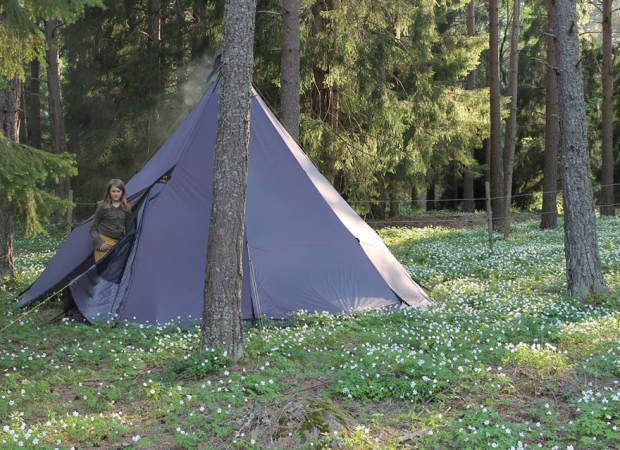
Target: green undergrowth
[{"x": 502, "y": 359}]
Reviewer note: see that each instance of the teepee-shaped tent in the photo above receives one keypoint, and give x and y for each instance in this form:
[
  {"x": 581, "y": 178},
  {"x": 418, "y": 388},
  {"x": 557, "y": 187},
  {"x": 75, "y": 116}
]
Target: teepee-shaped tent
[{"x": 305, "y": 248}]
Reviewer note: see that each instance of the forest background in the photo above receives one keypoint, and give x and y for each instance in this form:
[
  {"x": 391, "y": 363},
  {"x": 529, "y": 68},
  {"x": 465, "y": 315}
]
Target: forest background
[{"x": 386, "y": 110}]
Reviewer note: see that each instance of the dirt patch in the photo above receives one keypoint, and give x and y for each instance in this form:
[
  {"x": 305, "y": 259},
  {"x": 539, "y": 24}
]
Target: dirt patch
[{"x": 457, "y": 221}]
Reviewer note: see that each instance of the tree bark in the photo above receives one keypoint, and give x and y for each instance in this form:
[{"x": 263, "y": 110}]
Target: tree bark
[
  {"x": 431, "y": 193},
  {"x": 583, "y": 269},
  {"x": 289, "y": 102},
  {"x": 468, "y": 179},
  {"x": 34, "y": 105},
  {"x": 607, "y": 152},
  {"x": 221, "y": 318},
  {"x": 9, "y": 120},
  {"x": 511, "y": 121},
  {"x": 23, "y": 122},
  {"x": 10, "y": 110},
  {"x": 58, "y": 136},
  {"x": 393, "y": 194},
  {"x": 154, "y": 34},
  {"x": 198, "y": 41},
  {"x": 7, "y": 266},
  {"x": 497, "y": 166},
  {"x": 549, "y": 216},
  {"x": 325, "y": 98}
]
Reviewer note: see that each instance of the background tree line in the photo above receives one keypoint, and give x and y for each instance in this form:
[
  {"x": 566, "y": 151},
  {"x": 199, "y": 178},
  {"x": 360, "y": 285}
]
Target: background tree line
[{"x": 393, "y": 97}]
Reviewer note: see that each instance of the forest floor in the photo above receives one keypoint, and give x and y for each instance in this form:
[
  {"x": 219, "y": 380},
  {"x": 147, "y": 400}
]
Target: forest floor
[
  {"x": 446, "y": 220},
  {"x": 501, "y": 360}
]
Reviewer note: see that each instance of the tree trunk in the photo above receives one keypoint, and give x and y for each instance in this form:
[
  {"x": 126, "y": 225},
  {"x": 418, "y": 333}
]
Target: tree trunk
[
  {"x": 497, "y": 166},
  {"x": 393, "y": 194},
  {"x": 7, "y": 267},
  {"x": 431, "y": 193},
  {"x": 11, "y": 104},
  {"x": 180, "y": 49},
  {"x": 198, "y": 39},
  {"x": 549, "y": 216},
  {"x": 468, "y": 180},
  {"x": 289, "y": 103},
  {"x": 511, "y": 121},
  {"x": 58, "y": 137},
  {"x": 415, "y": 204},
  {"x": 221, "y": 317},
  {"x": 325, "y": 98},
  {"x": 607, "y": 152},
  {"x": 583, "y": 269},
  {"x": 34, "y": 105},
  {"x": 23, "y": 122},
  {"x": 154, "y": 35},
  {"x": 9, "y": 120}
]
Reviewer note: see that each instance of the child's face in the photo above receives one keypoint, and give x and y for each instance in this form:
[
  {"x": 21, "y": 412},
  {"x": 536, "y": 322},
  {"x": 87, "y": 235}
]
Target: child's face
[{"x": 115, "y": 194}]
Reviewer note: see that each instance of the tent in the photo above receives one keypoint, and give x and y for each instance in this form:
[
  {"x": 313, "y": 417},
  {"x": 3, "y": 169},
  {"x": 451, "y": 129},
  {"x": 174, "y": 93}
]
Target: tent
[{"x": 304, "y": 247}]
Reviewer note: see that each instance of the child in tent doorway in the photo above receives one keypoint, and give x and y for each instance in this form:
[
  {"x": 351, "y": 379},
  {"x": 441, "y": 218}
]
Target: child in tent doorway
[{"x": 112, "y": 218}]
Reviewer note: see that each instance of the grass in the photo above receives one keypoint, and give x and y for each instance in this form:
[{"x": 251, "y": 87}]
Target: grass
[{"x": 501, "y": 360}]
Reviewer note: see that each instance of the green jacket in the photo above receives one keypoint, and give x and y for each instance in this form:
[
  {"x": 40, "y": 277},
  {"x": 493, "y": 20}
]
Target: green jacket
[{"x": 112, "y": 222}]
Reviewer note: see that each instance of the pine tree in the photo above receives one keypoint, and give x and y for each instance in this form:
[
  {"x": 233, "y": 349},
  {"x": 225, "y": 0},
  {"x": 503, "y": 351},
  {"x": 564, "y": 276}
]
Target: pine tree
[
  {"x": 511, "y": 121},
  {"x": 221, "y": 318},
  {"x": 497, "y": 161},
  {"x": 607, "y": 178},
  {"x": 549, "y": 215},
  {"x": 290, "y": 67},
  {"x": 583, "y": 269}
]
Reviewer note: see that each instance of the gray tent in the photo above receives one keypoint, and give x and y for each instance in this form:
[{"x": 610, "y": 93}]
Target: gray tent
[{"x": 305, "y": 248}]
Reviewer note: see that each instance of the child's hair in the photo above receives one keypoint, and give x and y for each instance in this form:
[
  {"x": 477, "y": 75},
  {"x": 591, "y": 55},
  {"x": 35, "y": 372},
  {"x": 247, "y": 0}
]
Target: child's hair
[{"x": 108, "y": 199}]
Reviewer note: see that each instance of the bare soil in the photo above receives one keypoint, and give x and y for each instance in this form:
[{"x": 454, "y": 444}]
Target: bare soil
[{"x": 457, "y": 221}]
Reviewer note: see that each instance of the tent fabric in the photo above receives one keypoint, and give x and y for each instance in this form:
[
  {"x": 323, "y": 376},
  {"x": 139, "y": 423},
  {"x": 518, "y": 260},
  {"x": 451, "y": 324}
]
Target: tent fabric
[{"x": 304, "y": 248}]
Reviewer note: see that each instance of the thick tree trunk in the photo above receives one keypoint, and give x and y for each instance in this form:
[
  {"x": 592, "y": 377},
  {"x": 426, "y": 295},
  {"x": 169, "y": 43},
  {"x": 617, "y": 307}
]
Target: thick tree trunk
[
  {"x": 468, "y": 180},
  {"x": 9, "y": 119},
  {"x": 289, "y": 102},
  {"x": 607, "y": 148},
  {"x": 58, "y": 137},
  {"x": 511, "y": 122},
  {"x": 34, "y": 105},
  {"x": 549, "y": 216},
  {"x": 221, "y": 317},
  {"x": 583, "y": 269}
]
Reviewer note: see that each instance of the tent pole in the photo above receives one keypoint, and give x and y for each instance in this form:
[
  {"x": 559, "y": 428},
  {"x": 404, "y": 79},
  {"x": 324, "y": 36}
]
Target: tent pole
[{"x": 254, "y": 287}]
